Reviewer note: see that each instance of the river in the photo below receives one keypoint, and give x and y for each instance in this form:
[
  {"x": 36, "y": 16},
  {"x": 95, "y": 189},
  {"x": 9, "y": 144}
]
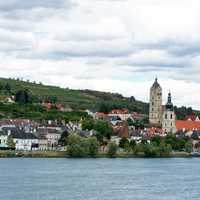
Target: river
[{"x": 99, "y": 179}]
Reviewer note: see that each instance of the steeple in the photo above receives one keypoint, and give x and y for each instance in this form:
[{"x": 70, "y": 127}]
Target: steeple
[
  {"x": 169, "y": 104},
  {"x": 156, "y": 84}
]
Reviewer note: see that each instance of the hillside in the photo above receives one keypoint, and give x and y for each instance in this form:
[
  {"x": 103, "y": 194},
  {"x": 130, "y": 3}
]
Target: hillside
[{"x": 76, "y": 99}]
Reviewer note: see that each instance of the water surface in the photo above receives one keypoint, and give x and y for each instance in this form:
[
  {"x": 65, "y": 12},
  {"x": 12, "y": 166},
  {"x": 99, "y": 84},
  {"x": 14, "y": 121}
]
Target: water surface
[{"x": 99, "y": 179}]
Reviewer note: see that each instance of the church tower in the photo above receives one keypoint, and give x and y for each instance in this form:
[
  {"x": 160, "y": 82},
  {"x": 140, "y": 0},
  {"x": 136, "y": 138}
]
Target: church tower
[
  {"x": 155, "y": 106},
  {"x": 169, "y": 117}
]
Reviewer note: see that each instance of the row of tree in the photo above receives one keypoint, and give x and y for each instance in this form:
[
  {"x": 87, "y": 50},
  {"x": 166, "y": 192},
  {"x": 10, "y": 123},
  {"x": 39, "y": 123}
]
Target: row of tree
[{"x": 157, "y": 146}]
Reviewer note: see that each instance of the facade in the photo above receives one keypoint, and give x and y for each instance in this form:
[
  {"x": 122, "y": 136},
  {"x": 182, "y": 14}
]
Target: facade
[
  {"x": 155, "y": 107},
  {"x": 22, "y": 140},
  {"x": 3, "y": 140},
  {"x": 26, "y": 144},
  {"x": 49, "y": 137},
  {"x": 169, "y": 117},
  {"x": 123, "y": 114}
]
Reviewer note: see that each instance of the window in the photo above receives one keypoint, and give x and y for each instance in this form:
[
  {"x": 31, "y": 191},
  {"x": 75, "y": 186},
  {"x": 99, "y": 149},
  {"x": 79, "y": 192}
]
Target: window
[
  {"x": 165, "y": 116},
  {"x": 171, "y": 116}
]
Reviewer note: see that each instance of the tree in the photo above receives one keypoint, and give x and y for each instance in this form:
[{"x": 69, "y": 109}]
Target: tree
[
  {"x": 132, "y": 144},
  {"x": 150, "y": 150},
  {"x": 112, "y": 149},
  {"x": 123, "y": 143},
  {"x": 82, "y": 147},
  {"x": 130, "y": 122},
  {"x": 22, "y": 97},
  {"x": 7, "y": 88},
  {"x": 157, "y": 140},
  {"x": 10, "y": 142},
  {"x": 64, "y": 138},
  {"x": 75, "y": 148},
  {"x": 52, "y": 99},
  {"x": 164, "y": 149},
  {"x": 88, "y": 124},
  {"x": 188, "y": 147},
  {"x": 104, "y": 107},
  {"x": 103, "y": 130},
  {"x": 93, "y": 146}
]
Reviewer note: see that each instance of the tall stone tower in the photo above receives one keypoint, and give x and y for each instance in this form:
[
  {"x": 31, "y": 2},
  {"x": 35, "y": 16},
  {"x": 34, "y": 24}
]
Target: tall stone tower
[
  {"x": 169, "y": 117},
  {"x": 155, "y": 107}
]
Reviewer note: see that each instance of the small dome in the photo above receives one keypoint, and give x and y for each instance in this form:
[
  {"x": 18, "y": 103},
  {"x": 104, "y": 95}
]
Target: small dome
[
  {"x": 169, "y": 105},
  {"x": 156, "y": 84}
]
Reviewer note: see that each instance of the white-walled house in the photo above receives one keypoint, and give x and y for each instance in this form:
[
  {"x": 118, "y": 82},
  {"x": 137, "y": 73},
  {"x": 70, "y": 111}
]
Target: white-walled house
[{"x": 23, "y": 141}]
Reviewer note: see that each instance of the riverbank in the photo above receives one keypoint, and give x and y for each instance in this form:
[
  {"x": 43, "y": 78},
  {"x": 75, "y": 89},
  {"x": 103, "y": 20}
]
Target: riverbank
[{"x": 62, "y": 154}]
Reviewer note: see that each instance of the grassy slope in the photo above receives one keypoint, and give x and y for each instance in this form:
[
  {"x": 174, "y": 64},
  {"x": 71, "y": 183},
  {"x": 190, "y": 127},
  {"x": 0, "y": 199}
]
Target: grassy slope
[{"x": 77, "y": 99}]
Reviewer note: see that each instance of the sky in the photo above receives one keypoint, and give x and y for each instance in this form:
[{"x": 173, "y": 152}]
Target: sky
[{"x": 106, "y": 45}]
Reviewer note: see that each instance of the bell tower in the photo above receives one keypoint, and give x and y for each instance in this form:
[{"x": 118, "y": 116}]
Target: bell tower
[
  {"x": 155, "y": 105},
  {"x": 169, "y": 117}
]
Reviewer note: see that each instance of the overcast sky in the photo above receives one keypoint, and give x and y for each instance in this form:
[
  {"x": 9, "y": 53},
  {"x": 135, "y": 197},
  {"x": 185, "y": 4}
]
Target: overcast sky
[{"x": 109, "y": 45}]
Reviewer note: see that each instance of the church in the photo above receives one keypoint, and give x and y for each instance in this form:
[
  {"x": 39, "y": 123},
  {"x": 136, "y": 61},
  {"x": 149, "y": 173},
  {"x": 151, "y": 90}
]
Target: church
[{"x": 161, "y": 116}]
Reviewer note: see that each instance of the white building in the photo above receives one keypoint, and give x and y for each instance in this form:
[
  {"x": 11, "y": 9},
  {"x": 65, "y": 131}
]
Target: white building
[{"x": 169, "y": 117}]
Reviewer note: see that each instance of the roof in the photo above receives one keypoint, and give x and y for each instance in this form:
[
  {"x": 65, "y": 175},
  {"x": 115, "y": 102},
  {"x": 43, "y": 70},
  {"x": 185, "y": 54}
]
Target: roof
[
  {"x": 192, "y": 117},
  {"x": 119, "y": 111},
  {"x": 19, "y": 134},
  {"x": 187, "y": 125},
  {"x": 18, "y": 122},
  {"x": 156, "y": 84}
]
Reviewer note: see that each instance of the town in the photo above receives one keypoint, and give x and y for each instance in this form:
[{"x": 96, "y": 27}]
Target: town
[{"x": 118, "y": 130}]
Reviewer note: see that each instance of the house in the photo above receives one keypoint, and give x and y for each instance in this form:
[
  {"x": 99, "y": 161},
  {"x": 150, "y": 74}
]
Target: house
[
  {"x": 52, "y": 134},
  {"x": 123, "y": 114},
  {"x": 187, "y": 125},
  {"x": 23, "y": 141},
  {"x": 101, "y": 115},
  {"x": 193, "y": 118},
  {"x": 121, "y": 130}
]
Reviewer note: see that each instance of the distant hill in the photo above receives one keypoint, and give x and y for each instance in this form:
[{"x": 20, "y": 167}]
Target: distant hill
[{"x": 77, "y": 99}]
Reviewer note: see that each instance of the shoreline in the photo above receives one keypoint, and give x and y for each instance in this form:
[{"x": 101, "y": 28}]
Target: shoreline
[{"x": 62, "y": 154}]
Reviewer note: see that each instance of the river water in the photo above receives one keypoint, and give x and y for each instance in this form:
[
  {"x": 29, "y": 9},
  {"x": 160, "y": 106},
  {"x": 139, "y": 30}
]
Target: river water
[{"x": 99, "y": 179}]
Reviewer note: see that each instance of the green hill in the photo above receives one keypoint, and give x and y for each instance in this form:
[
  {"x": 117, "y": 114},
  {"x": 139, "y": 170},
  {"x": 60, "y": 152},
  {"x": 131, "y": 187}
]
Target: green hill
[{"x": 76, "y": 99}]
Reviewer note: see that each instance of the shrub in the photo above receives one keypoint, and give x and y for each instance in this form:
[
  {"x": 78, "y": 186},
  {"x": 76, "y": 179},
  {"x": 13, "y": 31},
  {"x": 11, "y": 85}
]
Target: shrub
[
  {"x": 112, "y": 150},
  {"x": 82, "y": 147}
]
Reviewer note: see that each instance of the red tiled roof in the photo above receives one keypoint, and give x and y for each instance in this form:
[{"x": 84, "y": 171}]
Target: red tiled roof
[
  {"x": 187, "y": 125},
  {"x": 120, "y": 111}
]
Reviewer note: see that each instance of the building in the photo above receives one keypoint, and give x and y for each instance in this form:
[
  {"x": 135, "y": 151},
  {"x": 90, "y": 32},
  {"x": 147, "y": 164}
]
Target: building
[
  {"x": 169, "y": 117},
  {"x": 3, "y": 139},
  {"x": 123, "y": 114},
  {"x": 193, "y": 117},
  {"x": 155, "y": 106},
  {"x": 186, "y": 125},
  {"x": 22, "y": 140},
  {"x": 161, "y": 117},
  {"x": 51, "y": 135}
]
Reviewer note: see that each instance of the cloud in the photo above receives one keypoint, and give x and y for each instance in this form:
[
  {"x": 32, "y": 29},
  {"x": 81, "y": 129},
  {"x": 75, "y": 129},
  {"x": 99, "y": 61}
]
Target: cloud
[
  {"x": 111, "y": 45},
  {"x": 24, "y": 4}
]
